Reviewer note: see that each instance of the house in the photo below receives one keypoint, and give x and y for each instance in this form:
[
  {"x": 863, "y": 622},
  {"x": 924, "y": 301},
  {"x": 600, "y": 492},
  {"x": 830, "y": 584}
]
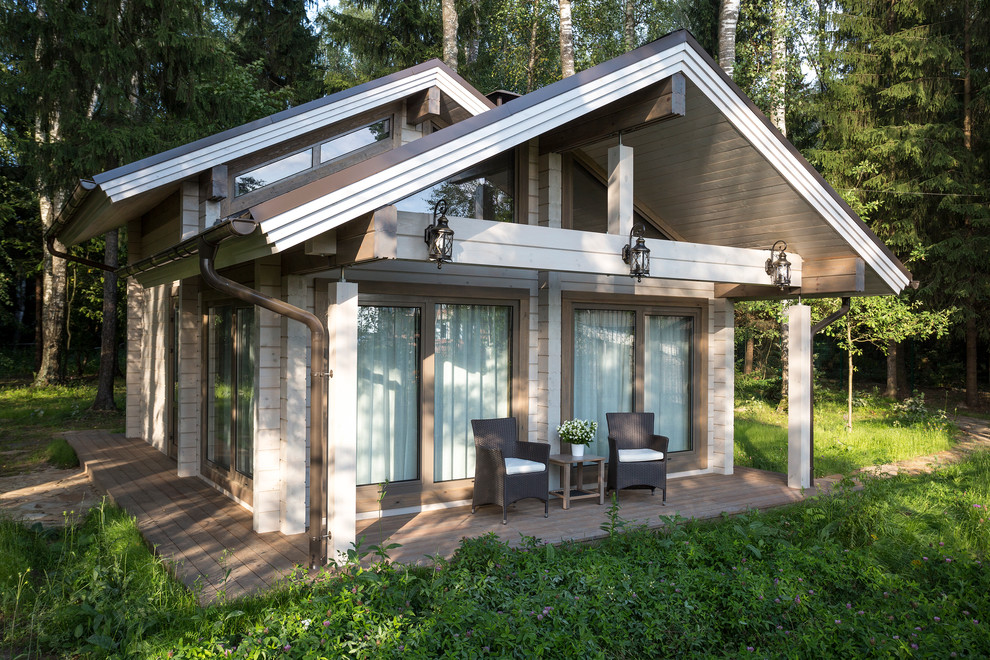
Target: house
[{"x": 292, "y": 340}]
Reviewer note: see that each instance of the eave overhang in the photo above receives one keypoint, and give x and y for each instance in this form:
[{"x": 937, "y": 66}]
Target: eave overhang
[{"x": 116, "y": 196}]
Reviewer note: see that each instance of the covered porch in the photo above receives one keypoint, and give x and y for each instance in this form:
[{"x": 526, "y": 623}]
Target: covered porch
[{"x": 206, "y": 538}]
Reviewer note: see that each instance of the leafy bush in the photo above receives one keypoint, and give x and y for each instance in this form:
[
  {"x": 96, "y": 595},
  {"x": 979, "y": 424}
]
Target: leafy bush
[
  {"x": 892, "y": 569},
  {"x": 753, "y": 386},
  {"x": 913, "y": 412}
]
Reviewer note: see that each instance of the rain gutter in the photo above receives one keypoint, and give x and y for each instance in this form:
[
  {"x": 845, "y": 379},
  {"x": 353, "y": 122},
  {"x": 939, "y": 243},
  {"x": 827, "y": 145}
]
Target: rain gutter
[{"x": 208, "y": 242}]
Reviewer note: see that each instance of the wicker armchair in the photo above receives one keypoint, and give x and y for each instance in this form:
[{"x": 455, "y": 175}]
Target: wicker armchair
[
  {"x": 636, "y": 456},
  {"x": 506, "y": 470}
]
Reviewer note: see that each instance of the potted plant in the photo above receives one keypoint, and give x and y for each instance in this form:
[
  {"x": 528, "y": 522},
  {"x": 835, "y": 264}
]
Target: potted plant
[{"x": 579, "y": 433}]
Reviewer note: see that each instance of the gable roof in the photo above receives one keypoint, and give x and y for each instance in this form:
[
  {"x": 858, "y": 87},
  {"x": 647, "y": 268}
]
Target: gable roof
[
  {"x": 111, "y": 198},
  {"x": 312, "y": 209}
]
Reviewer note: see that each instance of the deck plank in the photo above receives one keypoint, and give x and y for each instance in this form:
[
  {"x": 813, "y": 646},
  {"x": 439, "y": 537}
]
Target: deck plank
[{"x": 207, "y": 539}]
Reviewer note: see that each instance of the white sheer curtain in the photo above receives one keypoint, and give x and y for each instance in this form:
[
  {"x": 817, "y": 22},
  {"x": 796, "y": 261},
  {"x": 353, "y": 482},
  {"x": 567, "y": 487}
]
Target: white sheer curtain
[
  {"x": 471, "y": 381},
  {"x": 388, "y": 394},
  {"x": 668, "y": 377},
  {"x": 603, "y": 367}
]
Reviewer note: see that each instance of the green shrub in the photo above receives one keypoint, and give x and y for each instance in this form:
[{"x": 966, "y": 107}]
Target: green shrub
[{"x": 61, "y": 454}]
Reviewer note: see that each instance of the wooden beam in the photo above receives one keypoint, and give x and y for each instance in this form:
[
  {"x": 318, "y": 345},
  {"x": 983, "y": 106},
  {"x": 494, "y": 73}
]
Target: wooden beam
[
  {"x": 753, "y": 291},
  {"x": 367, "y": 238},
  {"x": 423, "y": 106},
  {"x": 531, "y": 247},
  {"x": 661, "y": 101},
  {"x": 840, "y": 275}
]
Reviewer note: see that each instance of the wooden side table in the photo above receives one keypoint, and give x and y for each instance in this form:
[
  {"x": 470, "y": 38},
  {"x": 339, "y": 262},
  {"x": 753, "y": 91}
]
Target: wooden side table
[{"x": 566, "y": 493}]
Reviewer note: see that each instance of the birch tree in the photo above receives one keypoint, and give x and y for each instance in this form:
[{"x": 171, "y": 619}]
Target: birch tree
[
  {"x": 728, "y": 19},
  {"x": 566, "y": 39},
  {"x": 449, "y": 17}
]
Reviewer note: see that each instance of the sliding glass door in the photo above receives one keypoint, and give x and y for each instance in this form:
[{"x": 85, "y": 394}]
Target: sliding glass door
[
  {"x": 388, "y": 394},
  {"x": 634, "y": 359},
  {"x": 230, "y": 394},
  {"x": 472, "y": 381}
]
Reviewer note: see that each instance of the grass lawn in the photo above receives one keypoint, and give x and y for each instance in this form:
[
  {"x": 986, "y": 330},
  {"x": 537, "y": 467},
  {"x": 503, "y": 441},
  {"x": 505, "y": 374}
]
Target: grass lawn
[
  {"x": 881, "y": 433},
  {"x": 30, "y": 419}
]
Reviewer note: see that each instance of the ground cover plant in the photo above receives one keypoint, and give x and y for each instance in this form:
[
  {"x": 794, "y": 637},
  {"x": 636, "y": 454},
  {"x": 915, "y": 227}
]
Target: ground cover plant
[
  {"x": 894, "y": 569},
  {"x": 30, "y": 418},
  {"x": 883, "y": 431}
]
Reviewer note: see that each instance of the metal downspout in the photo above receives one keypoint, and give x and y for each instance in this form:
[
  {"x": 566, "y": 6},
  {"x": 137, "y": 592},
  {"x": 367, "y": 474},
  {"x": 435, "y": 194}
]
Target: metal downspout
[
  {"x": 319, "y": 341},
  {"x": 815, "y": 329}
]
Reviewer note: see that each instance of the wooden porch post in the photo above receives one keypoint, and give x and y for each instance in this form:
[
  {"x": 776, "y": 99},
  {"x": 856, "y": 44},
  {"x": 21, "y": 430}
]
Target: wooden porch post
[
  {"x": 342, "y": 419},
  {"x": 620, "y": 190},
  {"x": 799, "y": 378}
]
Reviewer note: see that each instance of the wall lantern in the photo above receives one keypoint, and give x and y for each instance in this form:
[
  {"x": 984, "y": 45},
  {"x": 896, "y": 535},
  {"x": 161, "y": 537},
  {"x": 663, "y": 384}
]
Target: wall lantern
[
  {"x": 439, "y": 236},
  {"x": 637, "y": 257},
  {"x": 778, "y": 267}
]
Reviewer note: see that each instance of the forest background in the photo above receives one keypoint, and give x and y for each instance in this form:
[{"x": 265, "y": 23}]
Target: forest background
[{"x": 889, "y": 101}]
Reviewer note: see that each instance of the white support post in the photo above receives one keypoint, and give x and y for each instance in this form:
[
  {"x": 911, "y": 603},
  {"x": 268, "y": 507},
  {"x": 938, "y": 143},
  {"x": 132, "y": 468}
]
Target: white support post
[
  {"x": 722, "y": 402},
  {"x": 295, "y": 412},
  {"x": 620, "y": 190},
  {"x": 342, "y": 419},
  {"x": 551, "y": 187},
  {"x": 190, "y": 378},
  {"x": 799, "y": 383}
]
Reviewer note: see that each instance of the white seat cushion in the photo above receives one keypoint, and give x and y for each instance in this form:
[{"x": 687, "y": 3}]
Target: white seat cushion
[
  {"x": 522, "y": 466},
  {"x": 639, "y": 455}
]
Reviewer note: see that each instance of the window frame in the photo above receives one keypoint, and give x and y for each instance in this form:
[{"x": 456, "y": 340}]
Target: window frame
[
  {"x": 241, "y": 486},
  {"x": 424, "y": 489},
  {"x": 697, "y": 457}
]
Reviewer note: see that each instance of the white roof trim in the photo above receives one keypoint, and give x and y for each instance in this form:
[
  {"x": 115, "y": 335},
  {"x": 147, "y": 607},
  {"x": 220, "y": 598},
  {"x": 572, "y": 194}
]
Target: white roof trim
[
  {"x": 298, "y": 224},
  {"x": 184, "y": 165}
]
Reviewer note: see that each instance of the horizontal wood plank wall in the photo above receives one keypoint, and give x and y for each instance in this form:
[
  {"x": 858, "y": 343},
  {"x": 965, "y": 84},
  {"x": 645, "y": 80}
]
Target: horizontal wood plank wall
[
  {"x": 162, "y": 225},
  {"x": 190, "y": 373},
  {"x": 268, "y": 410},
  {"x": 134, "y": 406}
]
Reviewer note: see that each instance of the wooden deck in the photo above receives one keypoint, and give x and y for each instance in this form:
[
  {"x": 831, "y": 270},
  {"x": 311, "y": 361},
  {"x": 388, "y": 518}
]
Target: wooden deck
[{"x": 207, "y": 539}]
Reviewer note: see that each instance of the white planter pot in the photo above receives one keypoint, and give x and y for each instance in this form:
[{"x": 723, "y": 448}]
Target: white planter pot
[{"x": 577, "y": 450}]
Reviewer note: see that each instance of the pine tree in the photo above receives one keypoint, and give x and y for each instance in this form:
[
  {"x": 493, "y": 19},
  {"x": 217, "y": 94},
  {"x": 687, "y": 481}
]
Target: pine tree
[{"x": 905, "y": 132}]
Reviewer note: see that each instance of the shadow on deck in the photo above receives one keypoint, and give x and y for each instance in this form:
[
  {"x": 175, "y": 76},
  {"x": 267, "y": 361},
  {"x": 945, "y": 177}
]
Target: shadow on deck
[{"x": 206, "y": 538}]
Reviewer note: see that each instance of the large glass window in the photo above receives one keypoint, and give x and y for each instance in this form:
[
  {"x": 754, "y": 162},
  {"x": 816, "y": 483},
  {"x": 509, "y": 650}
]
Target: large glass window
[
  {"x": 610, "y": 347},
  {"x": 388, "y": 394},
  {"x": 604, "y": 367},
  {"x": 668, "y": 377},
  {"x": 471, "y": 381},
  {"x": 301, "y": 161},
  {"x": 231, "y": 396},
  {"x": 485, "y": 192}
]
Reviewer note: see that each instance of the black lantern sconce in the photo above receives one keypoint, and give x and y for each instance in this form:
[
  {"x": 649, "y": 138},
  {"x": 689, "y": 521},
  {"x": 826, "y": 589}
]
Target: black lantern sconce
[
  {"x": 638, "y": 256},
  {"x": 778, "y": 267},
  {"x": 439, "y": 236}
]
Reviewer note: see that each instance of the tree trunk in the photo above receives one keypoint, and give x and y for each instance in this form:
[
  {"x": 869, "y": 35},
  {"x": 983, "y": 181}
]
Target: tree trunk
[
  {"x": 449, "y": 19},
  {"x": 849, "y": 398},
  {"x": 108, "y": 339},
  {"x": 531, "y": 64},
  {"x": 53, "y": 305},
  {"x": 566, "y": 39},
  {"x": 39, "y": 326},
  {"x": 728, "y": 18},
  {"x": 778, "y": 67},
  {"x": 472, "y": 51},
  {"x": 748, "y": 356},
  {"x": 972, "y": 385},
  {"x": 630, "y": 24},
  {"x": 891, "y": 389}
]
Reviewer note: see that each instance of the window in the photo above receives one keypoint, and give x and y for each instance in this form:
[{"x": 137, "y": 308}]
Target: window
[
  {"x": 388, "y": 394},
  {"x": 426, "y": 368},
  {"x": 301, "y": 161},
  {"x": 617, "y": 350},
  {"x": 485, "y": 192},
  {"x": 231, "y": 395},
  {"x": 472, "y": 381},
  {"x": 357, "y": 139}
]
